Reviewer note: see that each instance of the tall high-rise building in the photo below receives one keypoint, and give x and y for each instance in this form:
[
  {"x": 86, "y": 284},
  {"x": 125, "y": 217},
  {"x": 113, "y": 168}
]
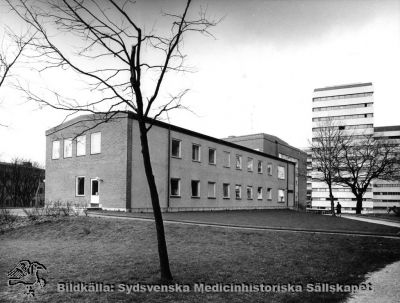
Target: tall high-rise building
[
  {"x": 386, "y": 193},
  {"x": 350, "y": 107}
]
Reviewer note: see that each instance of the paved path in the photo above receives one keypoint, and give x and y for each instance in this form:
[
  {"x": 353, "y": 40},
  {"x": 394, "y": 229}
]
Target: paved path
[
  {"x": 370, "y": 220},
  {"x": 256, "y": 228},
  {"x": 385, "y": 286}
]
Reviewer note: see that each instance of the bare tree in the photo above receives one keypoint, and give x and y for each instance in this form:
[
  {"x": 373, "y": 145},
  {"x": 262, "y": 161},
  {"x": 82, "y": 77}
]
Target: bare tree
[
  {"x": 363, "y": 160},
  {"x": 326, "y": 147},
  {"x": 15, "y": 45},
  {"x": 11, "y": 48},
  {"x": 19, "y": 181},
  {"x": 120, "y": 61}
]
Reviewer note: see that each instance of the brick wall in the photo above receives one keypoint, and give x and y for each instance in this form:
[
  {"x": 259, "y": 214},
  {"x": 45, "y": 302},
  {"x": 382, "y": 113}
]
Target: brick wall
[{"x": 109, "y": 166}]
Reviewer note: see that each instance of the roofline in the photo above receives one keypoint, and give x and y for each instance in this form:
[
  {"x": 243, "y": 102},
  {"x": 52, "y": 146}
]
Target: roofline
[
  {"x": 264, "y": 136},
  {"x": 209, "y": 138},
  {"x": 343, "y": 86},
  {"x": 133, "y": 116}
]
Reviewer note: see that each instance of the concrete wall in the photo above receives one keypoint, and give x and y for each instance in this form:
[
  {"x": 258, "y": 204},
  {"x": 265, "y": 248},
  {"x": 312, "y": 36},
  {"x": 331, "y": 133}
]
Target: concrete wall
[{"x": 274, "y": 146}]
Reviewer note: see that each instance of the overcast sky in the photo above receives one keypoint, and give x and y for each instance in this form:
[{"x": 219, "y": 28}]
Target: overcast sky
[{"x": 258, "y": 74}]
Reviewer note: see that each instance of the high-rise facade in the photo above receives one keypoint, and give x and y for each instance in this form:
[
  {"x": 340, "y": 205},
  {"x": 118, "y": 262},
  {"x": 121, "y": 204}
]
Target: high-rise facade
[
  {"x": 350, "y": 107},
  {"x": 386, "y": 193}
]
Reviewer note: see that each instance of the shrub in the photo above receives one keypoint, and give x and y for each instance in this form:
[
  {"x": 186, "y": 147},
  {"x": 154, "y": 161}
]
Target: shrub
[
  {"x": 6, "y": 217},
  {"x": 33, "y": 214}
]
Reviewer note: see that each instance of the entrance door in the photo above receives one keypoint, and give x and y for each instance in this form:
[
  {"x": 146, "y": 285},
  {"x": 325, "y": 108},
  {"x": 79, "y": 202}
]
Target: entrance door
[{"x": 94, "y": 197}]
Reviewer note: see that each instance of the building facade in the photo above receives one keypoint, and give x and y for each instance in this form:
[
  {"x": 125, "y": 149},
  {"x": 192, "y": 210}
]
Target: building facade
[
  {"x": 102, "y": 166},
  {"x": 386, "y": 193},
  {"x": 275, "y": 146},
  {"x": 350, "y": 107}
]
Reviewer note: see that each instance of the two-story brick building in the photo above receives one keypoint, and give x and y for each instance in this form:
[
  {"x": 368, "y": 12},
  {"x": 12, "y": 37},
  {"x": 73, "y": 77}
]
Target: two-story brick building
[{"x": 102, "y": 166}]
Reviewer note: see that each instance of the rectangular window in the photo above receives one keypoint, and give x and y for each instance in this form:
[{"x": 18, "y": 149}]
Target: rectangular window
[
  {"x": 238, "y": 192},
  {"x": 212, "y": 156},
  {"x": 238, "y": 162},
  {"x": 281, "y": 172},
  {"x": 249, "y": 191},
  {"x": 80, "y": 186},
  {"x": 259, "y": 193},
  {"x": 227, "y": 159},
  {"x": 175, "y": 187},
  {"x": 249, "y": 164},
  {"x": 67, "y": 148},
  {"x": 226, "y": 190},
  {"x": 81, "y": 145},
  {"x": 196, "y": 152},
  {"x": 269, "y": 193},
  {"x": 269, "y": 169},
  {"x": 95, "y": 143},
  {"x": 55, "y": 154},
  {"x": 281, "y": 195},
  {"x": 195, "y": 188},
  {"x": 176, "y": 148},
  {"x": 211, "y": 190},
  {"x": 259, "y": 167}
]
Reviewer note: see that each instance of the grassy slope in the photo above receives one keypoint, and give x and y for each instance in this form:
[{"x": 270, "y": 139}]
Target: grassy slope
[
  {"x": 107, "y": 250},
  {"x": 274, "y": 218}
]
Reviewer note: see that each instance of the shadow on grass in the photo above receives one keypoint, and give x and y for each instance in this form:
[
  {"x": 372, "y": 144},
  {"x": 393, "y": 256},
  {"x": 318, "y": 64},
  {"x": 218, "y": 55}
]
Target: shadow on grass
[{"x": 122, "y": 251}]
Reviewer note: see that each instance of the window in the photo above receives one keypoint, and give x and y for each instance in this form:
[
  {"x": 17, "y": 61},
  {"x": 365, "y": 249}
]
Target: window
[
  {"x": 238, "y": 191},
  {"x": 176, "y": 148},
  {"x": 259, "y": 193},
  {"x": 259, "y": 167},
  {"x": 281, "y": 172},
  {"x": 67, "y": 148},
  {"x": 249, "y": 191},
  {"x": 227, "y": 159},
  {"x": 95, "y": 143},
  {"x": 56, "y": 150},
  {"x": 212, "y": 156},
  {"x": 226, "y": 190},
  {"x": 80, "y": 186},
  {"x": 175, "y": 187},
  {"x": 249, "y": 164},
  {"x": 195, "y": 188},
  {"x": 281, "y": 195},
  {"x": 269, "y": 169},
  {"x": 269, "y": 193},
  {"x": 196, "y": 152},
  {"x": 238, "y": 162},
  {"x": 211, "y": 190},
  {"x": 81, "y": 145}
]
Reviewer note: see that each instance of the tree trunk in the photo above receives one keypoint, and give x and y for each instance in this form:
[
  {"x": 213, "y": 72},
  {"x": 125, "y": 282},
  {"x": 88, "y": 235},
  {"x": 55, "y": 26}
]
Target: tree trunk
[
  {"x": 332, "y": 201},
  {"x": 162, "y": 245},
  {"x": 359, "y": 204}
]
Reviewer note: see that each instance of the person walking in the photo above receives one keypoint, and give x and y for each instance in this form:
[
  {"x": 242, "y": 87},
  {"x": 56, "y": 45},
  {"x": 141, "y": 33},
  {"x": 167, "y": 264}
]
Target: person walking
[{"x": 339, "y": 209}]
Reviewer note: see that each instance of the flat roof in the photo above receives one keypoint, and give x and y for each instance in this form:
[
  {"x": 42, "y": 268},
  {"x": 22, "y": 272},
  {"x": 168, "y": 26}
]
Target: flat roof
[
  {"x": 132, "y": 115},
  {"x": 264, "y": 136},
  {"x": 342, "y": 86}
]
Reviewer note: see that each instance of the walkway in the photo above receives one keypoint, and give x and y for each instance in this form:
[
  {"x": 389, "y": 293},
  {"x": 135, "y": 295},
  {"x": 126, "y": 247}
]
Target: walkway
[
  {"x": 255, "y": 228},
  {"x": 370, "y": 220},
  {"x": 385, "y": 286}
]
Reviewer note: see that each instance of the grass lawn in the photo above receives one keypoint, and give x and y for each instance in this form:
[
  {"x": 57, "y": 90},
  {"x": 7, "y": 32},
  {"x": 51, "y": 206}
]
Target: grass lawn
[
  {"x": 273, "y": 218},
  {"x": 113, "y": 251}
]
